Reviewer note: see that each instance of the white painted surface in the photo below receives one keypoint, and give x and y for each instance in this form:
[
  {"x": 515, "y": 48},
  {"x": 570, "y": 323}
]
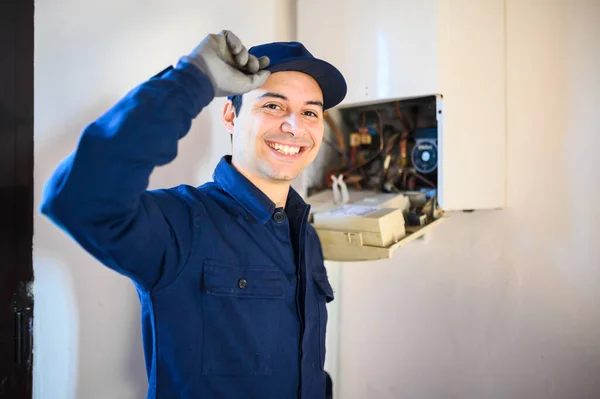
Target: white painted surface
[
  {"x": 384, "y": 48},
  {"x": 88, "y": 54},
  {"x": 501, "y": 304}
]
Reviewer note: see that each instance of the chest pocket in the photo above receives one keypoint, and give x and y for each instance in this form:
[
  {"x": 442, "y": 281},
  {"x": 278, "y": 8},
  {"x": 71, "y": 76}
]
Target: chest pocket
[
  {"x": 324, "y": 296},
  {"x": 241, "y": 307}
]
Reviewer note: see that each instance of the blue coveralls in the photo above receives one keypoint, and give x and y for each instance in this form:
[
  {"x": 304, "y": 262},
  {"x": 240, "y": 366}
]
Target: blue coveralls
[{"x": 233, "y": 290}]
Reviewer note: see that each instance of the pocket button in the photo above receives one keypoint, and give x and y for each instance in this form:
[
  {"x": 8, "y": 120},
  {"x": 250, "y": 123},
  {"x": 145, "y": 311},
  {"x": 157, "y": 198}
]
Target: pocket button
[{"x": 242, "y": 283}]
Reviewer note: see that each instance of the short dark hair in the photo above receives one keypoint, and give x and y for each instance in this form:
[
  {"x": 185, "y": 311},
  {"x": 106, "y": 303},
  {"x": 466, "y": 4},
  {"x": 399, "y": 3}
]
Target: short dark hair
[{"x": 237, "y": 103}]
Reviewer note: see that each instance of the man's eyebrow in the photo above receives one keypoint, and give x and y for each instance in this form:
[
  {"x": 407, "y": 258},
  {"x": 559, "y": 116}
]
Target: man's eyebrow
[
  {"x": 274, "y": 95},
  {"x": 282, "y": 97},
  {"x": 319, "y": 103}
]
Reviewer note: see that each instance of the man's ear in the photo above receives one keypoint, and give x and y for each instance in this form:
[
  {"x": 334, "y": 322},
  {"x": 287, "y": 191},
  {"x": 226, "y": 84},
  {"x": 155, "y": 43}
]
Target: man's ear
[{"x": 228, "y": 116}]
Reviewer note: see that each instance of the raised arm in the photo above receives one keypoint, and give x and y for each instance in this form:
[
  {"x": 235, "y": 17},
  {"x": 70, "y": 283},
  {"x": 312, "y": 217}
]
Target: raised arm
[{"x": 98, "y": 194}]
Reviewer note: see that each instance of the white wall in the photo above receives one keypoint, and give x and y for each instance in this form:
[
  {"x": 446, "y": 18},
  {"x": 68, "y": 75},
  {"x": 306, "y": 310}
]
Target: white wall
[
  {"x": 500, "y": 304},
  {"x": 88, "y": 54}
]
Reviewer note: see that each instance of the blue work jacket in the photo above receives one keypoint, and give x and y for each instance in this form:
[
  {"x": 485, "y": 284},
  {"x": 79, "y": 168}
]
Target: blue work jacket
[{"x": 233, "y": 290}]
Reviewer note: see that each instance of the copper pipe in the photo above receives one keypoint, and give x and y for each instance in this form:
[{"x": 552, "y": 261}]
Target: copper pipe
[{"x": 336, "y": 130}]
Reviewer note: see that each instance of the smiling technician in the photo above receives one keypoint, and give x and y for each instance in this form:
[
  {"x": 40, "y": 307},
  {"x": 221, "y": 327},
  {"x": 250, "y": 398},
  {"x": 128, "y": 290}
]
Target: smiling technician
[{"x": 230, "y": 275}]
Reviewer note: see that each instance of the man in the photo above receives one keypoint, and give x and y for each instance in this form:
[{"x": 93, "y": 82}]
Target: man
[{"x": 230, "y": 275}]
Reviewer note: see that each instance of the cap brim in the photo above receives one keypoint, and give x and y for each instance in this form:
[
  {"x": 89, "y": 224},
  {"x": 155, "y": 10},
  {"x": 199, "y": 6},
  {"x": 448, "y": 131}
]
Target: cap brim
[{"x": 329, "y": 78}]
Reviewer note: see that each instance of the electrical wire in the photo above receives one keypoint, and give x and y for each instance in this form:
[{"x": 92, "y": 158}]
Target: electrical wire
[
  {"x": 378, "y": 153},
  {"x": 334, "y": 146}
]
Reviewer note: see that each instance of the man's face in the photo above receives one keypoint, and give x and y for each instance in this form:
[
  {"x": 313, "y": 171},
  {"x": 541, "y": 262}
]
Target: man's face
[{"x": 279, "y": 129}]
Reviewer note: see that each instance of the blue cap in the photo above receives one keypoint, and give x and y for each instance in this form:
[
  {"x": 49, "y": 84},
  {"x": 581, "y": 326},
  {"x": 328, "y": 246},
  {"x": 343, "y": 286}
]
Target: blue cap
[{"x": 293, "y": 56}]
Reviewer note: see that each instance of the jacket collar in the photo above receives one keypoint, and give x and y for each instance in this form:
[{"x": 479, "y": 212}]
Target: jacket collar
[{"x": 250, "y": 197}]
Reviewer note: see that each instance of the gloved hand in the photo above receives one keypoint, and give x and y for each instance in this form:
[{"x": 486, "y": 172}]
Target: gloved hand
[{"x": 228, "y": 65}]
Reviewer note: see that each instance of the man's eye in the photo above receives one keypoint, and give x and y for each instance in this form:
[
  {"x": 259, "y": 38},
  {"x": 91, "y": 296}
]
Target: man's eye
[
  {"x": 311, "y": 113},
  {"x": 272, "y": 106}
]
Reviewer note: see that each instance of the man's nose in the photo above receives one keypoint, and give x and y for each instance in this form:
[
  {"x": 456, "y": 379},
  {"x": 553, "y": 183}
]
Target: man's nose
[{"x": 293, "y": 124}]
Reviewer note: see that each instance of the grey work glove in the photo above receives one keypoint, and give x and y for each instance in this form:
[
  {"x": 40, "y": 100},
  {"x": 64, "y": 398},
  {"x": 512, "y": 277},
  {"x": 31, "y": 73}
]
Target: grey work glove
[{"x": 228, "y": 65}]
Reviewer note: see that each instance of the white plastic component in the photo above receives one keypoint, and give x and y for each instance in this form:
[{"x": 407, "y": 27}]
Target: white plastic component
[{"x": 340, "y": 190}]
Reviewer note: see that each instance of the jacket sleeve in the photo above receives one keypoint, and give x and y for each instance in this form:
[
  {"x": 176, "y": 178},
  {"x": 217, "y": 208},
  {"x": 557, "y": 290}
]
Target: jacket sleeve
[{"x": 99, "y": 196}]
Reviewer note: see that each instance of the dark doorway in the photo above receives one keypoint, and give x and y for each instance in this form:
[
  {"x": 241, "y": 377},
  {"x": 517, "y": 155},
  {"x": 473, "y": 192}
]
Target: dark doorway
[{"x": 16, "y": 198}]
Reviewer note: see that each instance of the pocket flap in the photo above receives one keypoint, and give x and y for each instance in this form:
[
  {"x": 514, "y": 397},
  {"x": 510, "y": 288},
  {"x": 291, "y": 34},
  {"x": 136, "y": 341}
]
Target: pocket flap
[
  {"x": 323, "y": 285},
  {"x": 242, "y": 281}
]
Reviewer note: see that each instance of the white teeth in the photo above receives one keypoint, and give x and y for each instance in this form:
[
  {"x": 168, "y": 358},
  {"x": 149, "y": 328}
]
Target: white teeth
[{"x": 284, "y": 149}]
